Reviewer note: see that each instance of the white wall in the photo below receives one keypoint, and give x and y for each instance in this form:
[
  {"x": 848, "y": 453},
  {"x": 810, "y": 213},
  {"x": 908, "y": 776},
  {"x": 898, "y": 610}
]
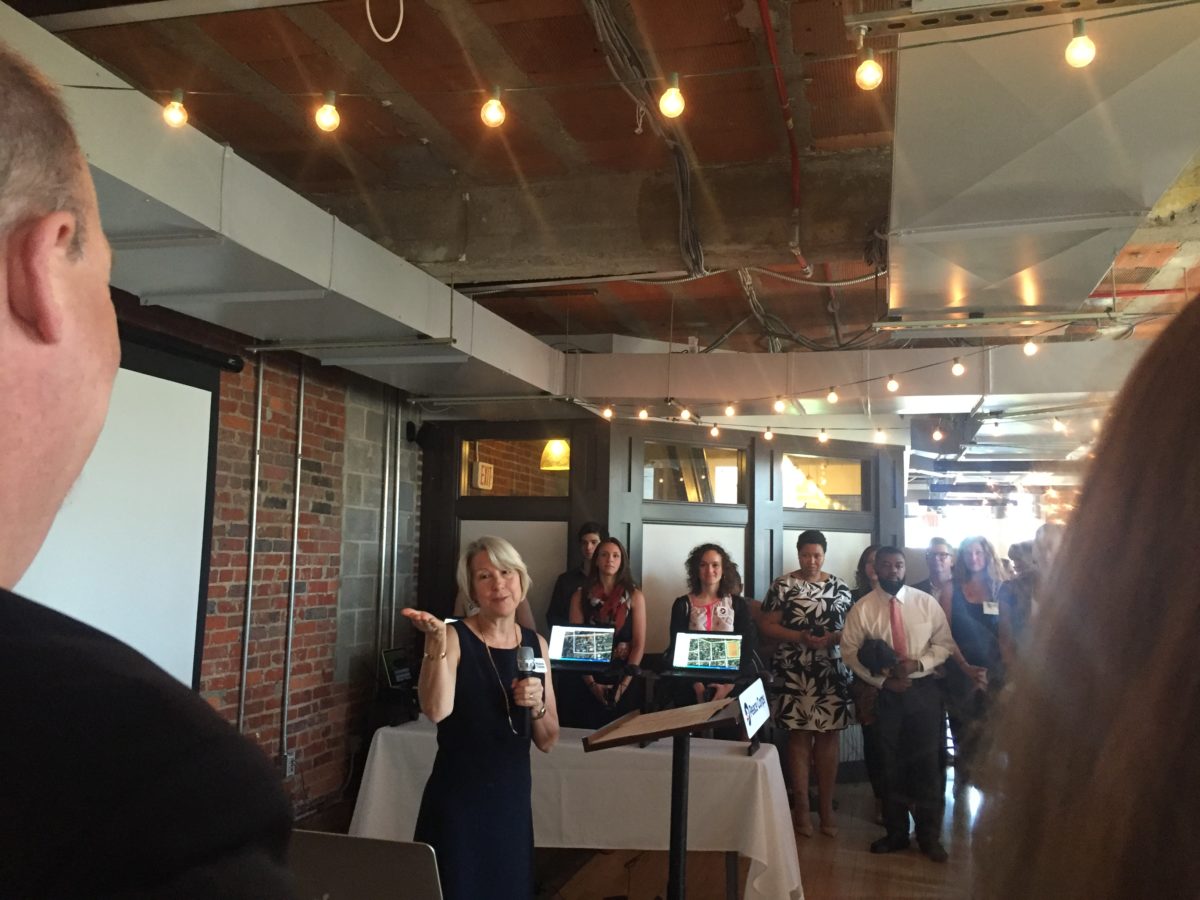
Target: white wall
[
  {"x": 125, "y": 552},
  {"x": 543, "y": 547},
  {"x": 665, "y": 549}
]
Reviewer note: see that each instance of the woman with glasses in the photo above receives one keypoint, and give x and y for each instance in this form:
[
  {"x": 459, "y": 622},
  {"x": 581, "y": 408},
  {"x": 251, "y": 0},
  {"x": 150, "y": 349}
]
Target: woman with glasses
[{"x": 486, "y": 718}]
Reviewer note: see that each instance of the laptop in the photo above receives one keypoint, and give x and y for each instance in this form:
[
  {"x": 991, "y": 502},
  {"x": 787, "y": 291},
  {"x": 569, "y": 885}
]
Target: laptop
[
  {"x": 707, "y": 652},
  {"x": 574, "y": 644},
  {"x": 340, "y": 867}
]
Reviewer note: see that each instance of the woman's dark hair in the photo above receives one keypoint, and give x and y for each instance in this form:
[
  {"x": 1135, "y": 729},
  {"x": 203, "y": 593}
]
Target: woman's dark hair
[
  {"x": 623, "y": 578},
  {"x": 993, "y": 571},
  {"x": 1095, "y": 754},
  {"x": 730, "y": 577},
  {"x": 591, "y": 528},
  {"x": 812, "y": 536},
  {"x": 861, "y": 581}
]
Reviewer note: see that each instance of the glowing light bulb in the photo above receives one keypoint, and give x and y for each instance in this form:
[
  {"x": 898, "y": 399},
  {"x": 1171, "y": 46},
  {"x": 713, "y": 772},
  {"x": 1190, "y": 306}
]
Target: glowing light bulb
[
  {"x": 174, "y": 113},
  {"x": 729, "y": 410},
  {"x": 880, "y": 436},
  {"x": 685, "y": 414},
  {"x": 823, "y": 437},
  {"x": 327, "y": 117},
  {"x": 869, "y": 74},
  {"x": 671, "y": 104},
  {"x": 1030, "y": 347},
  {"x": 715, "y": 431},
  {"x": 1095, "y": 424},
  {"x": 832, "y": 396},
  {"x": 643, "y": 413},
  {"x": 892, "y": 384},
  {"x": 607, "y": 412},
  {"x": 937, "y": 434},
  {"x": 780, "y": 406},
  {"x": 492, "y": 112},
  {"x": 768, "y": 435},
  {"x": 1081, "y": 51},
  {"x": 958, "y": 368},
  {"x": 1059, "y": 425}
]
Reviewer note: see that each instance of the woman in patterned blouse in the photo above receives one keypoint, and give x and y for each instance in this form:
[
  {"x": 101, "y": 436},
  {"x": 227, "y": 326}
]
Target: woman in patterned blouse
[{"x": 805, "y": 611}]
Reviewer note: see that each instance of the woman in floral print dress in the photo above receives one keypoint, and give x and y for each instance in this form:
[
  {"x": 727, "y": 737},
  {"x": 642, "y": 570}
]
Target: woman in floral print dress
[{"x": 805, "y": 611}]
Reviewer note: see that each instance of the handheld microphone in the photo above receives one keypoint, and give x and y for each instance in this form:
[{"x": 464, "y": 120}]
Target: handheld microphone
[{"x": 526, "y": 668}]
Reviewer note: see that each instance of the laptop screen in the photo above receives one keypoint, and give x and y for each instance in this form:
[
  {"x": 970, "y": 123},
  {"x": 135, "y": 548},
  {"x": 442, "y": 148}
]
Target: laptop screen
[
  {"x": 581, "y": 643},
  {"x": 707, "y": 651}
]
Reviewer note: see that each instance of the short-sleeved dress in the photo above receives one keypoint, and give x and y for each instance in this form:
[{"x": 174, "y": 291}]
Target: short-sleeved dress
[
  {"x": 814, "y": 684},
  {"x": 477, "y": 809}
]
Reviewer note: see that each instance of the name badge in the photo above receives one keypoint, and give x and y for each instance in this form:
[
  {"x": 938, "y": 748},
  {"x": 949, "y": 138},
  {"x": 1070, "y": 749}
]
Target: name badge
[
  {"x": 991, "y": 608},
  {"x": 539, "y": 666},
  {"x": 755, "y": 710}
]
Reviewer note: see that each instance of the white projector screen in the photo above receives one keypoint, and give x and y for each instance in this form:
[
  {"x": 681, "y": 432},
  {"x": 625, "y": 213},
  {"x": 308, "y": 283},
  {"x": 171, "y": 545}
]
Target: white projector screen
[{"x": 126, "y": 553}]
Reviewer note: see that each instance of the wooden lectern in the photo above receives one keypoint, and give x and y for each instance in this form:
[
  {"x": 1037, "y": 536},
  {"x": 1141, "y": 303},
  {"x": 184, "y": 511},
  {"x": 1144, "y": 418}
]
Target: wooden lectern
[{"x": 678, "y": 724}]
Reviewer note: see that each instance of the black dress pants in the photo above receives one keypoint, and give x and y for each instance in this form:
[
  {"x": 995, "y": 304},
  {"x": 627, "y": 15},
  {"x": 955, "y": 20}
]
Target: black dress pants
[{"x": 909, "y": 727}]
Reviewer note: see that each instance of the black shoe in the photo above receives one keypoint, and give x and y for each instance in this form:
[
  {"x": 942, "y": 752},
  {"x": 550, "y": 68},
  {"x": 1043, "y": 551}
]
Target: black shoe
[
  {"x": 890, "y": 844},
  {"x": 935, "y": 851}
]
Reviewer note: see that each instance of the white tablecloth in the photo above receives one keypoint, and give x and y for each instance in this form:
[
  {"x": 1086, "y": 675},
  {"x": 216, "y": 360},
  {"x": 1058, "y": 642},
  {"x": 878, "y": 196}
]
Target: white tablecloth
[{"x": 612, "y": 799}]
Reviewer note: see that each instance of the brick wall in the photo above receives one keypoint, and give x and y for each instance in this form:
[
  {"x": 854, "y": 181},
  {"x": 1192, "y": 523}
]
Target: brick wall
[
  {"x": 328, "y": 698},
  {"x": 518, "y": 471}
]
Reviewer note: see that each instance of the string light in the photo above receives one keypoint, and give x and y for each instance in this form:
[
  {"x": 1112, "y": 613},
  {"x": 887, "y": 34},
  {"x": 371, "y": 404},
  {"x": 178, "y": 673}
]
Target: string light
[
  {"x": 643, "y": 413},
  {"x": 892, "y": 384},
  {"x": 1095, "y": 425},
  {"x": 832, "y": 396},
  {"x": 880, "y": 436},
  {"x": 492, "y": 112},
  {"x": 958, "y": 368},
  {"x": 1030, "y": 347},
  {"x": 937, "y": 433},
  {"x": 327, "y": 116},
  {"x": 174, "y": 113},
  {"x": 1059, "y": 425},
  {"x": 823, "y": 437},
  {"x": 607, "y": 412},
  {"x": 1081, "y": 51},
  {"x": 729, "y": 410},
  {"x": 685, "y": 414},
  {"x": 869, "y": 74},
  {"x": 768, "y": 435},
  {"x": 715, "y": 431},
  {"x": 780, "y": 406},
  {"x": 671, "y": 104}
]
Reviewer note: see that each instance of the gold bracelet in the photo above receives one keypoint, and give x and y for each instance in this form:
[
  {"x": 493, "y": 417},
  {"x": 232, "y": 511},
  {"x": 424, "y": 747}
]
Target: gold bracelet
[
  {"x": 427, "y": 656},
  {"x": 540, "y": 714}
]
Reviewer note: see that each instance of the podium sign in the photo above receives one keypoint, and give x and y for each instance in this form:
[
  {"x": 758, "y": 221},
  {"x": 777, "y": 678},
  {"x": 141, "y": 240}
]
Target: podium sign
[{"x": 755, "y": 709}]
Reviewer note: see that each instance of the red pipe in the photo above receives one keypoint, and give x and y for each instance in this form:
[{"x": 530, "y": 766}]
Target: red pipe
[{"x": 785, "y": 105}]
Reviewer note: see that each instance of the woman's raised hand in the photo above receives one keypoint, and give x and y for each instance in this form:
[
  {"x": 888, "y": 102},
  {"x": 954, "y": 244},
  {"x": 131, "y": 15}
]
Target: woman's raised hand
[{"x": 425, "y": 621}]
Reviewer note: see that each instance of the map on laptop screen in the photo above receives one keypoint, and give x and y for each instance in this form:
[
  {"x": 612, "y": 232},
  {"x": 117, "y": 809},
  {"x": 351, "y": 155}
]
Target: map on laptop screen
[
  {"x": 581, "y": 643},
  {"x": 707, "y": 651}
]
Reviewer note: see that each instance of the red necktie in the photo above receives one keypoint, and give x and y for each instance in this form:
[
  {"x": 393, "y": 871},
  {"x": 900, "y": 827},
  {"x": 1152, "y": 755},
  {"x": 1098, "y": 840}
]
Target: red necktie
[{"x": 899, "y": 638}]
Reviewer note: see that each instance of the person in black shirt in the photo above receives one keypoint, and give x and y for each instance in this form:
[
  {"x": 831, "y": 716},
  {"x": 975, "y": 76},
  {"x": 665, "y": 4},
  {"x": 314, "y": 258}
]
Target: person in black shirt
[
  {"x": 118, "y": 780},
  {"x": 559, "y": 612}
]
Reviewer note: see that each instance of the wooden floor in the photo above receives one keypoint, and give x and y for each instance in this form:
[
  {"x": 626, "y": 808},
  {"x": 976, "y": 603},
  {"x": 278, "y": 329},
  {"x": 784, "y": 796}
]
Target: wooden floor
[{"x": 840, "y": 868}]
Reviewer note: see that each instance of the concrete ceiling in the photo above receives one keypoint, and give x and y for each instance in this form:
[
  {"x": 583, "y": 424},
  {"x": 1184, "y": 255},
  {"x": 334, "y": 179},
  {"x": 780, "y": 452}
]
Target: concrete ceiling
[{"x": 544, "y": 221}]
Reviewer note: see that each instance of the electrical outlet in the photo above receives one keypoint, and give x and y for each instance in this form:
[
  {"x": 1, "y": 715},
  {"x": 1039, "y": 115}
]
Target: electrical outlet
[{"x": 289, "y": 764}]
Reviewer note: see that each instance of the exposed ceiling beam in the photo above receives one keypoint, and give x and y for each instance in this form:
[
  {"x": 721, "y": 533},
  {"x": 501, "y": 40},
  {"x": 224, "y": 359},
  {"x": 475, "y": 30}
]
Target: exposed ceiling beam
[{"x": 153, "y": 12}]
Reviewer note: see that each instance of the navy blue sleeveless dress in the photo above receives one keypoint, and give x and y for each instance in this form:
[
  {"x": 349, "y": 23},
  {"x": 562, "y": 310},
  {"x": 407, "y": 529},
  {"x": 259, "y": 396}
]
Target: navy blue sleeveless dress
[{"x": 476, "y": 810}]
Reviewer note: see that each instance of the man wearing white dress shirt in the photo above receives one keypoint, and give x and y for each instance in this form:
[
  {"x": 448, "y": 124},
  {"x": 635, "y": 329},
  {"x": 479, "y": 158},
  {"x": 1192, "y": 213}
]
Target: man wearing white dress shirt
[{"x": 909, "y": 708}]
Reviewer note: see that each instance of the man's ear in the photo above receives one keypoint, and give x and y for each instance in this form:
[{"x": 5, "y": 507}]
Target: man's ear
[{"x": 38, "y": 256}]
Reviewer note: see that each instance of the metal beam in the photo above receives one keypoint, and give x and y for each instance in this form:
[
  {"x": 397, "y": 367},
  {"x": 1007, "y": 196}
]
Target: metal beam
[
  {"x": 919, "y": 17},
  {"x": 153, "y": 12}
]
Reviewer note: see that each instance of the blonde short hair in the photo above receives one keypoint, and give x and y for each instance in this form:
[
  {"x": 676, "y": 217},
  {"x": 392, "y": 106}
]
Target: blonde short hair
[{"x": 502, "y": 554}]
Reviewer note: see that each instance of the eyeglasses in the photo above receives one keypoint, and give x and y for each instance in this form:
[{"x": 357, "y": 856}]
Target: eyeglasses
[{"x": 939, "y": 555}]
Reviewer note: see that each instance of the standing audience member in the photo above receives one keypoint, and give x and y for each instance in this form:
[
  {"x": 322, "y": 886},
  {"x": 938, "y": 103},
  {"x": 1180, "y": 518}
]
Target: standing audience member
[
  {"x": 975, "y": 625},
  {"x": 865, "y": 579},
  {"x": 909, "y": 706},
  {"x": 559, "y": 612},
  {"x": 118, "y": 780},
  {"x": 1096, "y": 764},
  {"x": 805, "y": 610},
  {"x": 612, "y": 599},
  {"x": 1016, "y": 602},
  {"x": 713, "y": 604},
  {"x": 486, "y": 718}
]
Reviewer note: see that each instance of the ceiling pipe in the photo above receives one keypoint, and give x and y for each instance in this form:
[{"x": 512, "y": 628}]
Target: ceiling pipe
[{"x": 785, "y": 104}]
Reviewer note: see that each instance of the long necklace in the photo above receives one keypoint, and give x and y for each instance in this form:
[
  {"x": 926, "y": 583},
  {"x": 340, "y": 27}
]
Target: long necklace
[{"x": 500, "y": 684}]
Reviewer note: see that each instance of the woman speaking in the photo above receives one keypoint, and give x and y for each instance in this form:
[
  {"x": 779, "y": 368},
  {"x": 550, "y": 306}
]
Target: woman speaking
[{"x": 476, "y": 810}]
